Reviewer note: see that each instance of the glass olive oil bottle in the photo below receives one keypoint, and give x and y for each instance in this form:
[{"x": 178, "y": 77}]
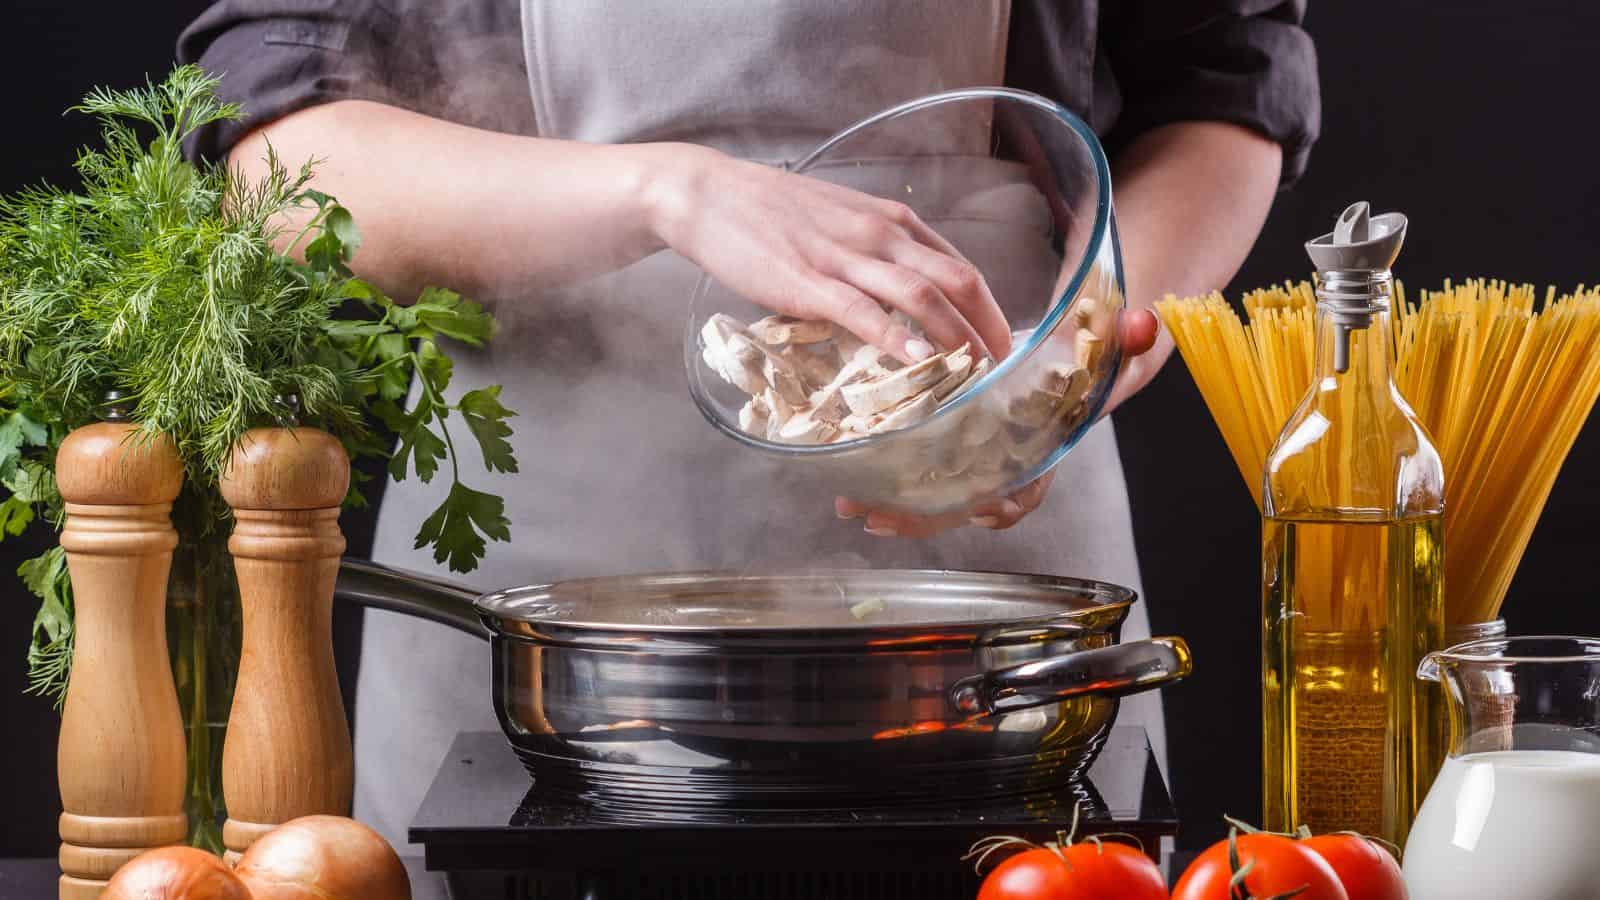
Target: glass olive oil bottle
[{"x": 1352, "y": 571}]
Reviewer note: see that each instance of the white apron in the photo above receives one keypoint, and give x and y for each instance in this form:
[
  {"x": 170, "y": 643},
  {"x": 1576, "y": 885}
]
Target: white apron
[{"x": 619, "y": 471}]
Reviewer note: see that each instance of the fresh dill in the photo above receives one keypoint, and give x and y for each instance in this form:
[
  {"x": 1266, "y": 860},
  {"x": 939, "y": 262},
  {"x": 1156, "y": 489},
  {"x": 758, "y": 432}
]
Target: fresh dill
[{"x": 160, "y": 278}]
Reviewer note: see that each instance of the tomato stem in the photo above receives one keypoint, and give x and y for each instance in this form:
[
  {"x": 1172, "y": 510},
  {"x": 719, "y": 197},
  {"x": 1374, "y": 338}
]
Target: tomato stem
[
  {"x": 1393, "y": 848},
  {"x": 1118, "y": 836},
  {"x": 987, "y": 847}
]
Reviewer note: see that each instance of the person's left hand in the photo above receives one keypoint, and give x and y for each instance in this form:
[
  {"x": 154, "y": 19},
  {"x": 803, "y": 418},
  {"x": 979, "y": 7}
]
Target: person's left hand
[{"x": 1139, "y": 329}]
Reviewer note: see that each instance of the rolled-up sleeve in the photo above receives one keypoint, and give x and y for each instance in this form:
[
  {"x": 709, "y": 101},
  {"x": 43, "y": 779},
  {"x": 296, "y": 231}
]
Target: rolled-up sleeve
[
  {"x": 1248, "y": 62},
  {"x": 461, "y": 60}
]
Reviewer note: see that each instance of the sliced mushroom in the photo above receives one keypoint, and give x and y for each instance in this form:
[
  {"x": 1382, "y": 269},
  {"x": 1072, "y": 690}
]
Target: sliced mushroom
[
  {"x": 1032, "y": 409},
  {"x": 753, "y": 416},
  {"x": 958, "y": 364},
  {"x": 785, "y": 380},
  {"x": 744, "y": 364},
  {"x": 1090, "y": 348},
  {"x": 886, "y": 391},
  {"x": 1070, "y": 382},
  {"x": 780, "y": 411},
  {"x": 828, "y": 401},
  {"x": 804, "y": 428},
  {"x": 979, "y": 369},
  {"x": 828, "y": 405},
  {"x": 789, "y": 330},
  {"x": 846, "y": 345},
  {"x": 732, "y": 353},
  {"x": 859, "y": 426},
  {"x": 815, "y": 367},
  {"x": 908, "y": 413},
  {"x": 719, "y": 329}
]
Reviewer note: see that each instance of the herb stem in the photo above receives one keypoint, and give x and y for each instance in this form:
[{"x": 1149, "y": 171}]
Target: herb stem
[{"x": 443, "y": 407}]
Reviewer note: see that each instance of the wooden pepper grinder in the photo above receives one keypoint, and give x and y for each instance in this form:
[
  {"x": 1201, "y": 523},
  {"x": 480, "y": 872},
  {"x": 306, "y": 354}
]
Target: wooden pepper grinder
[
  {"x": 121, "y": 750},
  {"x": 287, "y": 752}
]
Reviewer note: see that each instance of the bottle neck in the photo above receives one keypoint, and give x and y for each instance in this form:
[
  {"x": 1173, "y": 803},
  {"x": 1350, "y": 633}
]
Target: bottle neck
[{"x": 1352, "y": 327}]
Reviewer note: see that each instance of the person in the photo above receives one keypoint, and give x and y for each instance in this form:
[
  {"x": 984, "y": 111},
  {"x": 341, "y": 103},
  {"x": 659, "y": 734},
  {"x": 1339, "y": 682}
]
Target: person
[{"x": 545, "y": 157}]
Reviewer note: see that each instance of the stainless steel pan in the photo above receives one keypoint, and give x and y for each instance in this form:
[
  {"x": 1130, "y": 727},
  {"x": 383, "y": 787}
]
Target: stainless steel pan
[{"x": 817, "y": 689}]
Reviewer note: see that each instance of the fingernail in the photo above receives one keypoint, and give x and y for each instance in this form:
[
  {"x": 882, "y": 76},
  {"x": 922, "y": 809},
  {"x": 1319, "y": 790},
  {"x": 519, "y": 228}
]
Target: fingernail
[
  {"x": 845, "y": 515},
  {"x": 918, "y": 349},
  {"x": 985, "y": 521},
  {"x": 881, "y": 531},
  {"x": 1010, "y": 509}
]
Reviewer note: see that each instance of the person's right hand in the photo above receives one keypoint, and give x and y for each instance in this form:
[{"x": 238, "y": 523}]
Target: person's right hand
[{"x": 806, "y": 248}]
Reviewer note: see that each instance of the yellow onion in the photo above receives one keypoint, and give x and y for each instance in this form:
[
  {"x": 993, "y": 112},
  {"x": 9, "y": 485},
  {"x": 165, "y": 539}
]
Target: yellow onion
[
  {"x": 323, "y": 858},
  {"x": 175, "y": 873}
]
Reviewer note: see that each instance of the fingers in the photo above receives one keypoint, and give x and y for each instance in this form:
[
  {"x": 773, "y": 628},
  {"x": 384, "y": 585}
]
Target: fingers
[
  {"x": 929, "y": 253},
  {"x": 845, "y": 508},
  {"x": 864, "y": 317},
  {"x": 1138, "y": 329},
  {"x": 1006, "y": 512},
  {"x": 909, "y": 525},
  {"x": 998, "y": 514},
  {"x": 1140, "y": 332},
  {"x": 964, "y": 288},
  {"x": 883, "y": 523},
  {"x": 928, "y": 278},
  {"x": 914, "y": 294},
  {"x": 908, "y": 221}
]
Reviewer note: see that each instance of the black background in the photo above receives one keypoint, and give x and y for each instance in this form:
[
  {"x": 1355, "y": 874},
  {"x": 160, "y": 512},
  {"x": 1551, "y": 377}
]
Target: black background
[{"x": 1475, "y": 118}]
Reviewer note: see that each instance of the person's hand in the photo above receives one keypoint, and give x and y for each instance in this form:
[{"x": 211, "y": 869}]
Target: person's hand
[
  {"x": 806, "y": 248},
  {"x": 1138, "y": 329}
]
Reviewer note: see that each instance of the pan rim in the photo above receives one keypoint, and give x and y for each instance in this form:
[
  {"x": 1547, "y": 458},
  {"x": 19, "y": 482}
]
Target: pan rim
[{"x": 516, "y": 612}]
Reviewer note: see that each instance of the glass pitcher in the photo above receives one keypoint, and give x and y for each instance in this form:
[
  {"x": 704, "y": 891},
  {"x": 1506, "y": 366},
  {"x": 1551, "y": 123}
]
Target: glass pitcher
[{"x": 1516, "y": 808}]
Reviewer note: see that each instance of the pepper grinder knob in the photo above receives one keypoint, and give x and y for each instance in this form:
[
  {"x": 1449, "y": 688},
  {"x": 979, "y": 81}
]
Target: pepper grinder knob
[
  {"x": 121, "y": 750},
  {"x": 287, "y": 753}
]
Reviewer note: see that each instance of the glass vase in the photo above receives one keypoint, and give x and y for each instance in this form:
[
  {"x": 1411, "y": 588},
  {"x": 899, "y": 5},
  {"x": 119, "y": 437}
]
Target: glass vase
[{"x": 203, "y": 636}]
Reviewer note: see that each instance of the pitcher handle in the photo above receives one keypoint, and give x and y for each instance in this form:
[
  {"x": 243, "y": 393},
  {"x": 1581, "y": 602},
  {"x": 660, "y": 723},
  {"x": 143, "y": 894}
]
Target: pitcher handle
[{"x": 1115, "y": 671}]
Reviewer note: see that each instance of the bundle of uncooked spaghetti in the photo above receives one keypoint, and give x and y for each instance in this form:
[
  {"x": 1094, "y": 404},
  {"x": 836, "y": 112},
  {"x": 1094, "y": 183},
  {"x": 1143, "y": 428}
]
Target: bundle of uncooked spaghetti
[{"x": 1503, "y": 388}]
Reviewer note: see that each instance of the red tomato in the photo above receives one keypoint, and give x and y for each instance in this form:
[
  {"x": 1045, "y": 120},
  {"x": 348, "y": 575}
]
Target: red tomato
[
  {"x": 1281, "y": 865},
  {"x": 1088, "y": 871},
  {"x": 1367, "y": 871}
]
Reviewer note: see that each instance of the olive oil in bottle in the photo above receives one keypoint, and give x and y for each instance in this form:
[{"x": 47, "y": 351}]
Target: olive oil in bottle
[
  {"x": 1352, "y": 567},
  {"x": 1349, "y": 606}
]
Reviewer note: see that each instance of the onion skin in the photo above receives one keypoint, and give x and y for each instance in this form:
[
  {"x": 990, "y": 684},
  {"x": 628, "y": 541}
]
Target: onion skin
[
  {"x": 323, "y": 858},
  {"x": 175, "y": 873}
]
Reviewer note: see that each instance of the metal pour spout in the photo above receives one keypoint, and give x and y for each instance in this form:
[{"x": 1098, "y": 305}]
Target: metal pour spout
[{"x": 1353, "y": 277}]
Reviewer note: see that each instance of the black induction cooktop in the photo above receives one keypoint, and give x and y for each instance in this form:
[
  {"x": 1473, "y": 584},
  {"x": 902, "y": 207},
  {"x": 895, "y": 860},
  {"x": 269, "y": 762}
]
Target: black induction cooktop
[{"x": 489, "y": 828}]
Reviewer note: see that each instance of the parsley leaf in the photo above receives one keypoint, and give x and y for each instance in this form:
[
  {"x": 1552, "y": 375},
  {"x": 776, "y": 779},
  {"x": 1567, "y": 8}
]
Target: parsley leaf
[
  {"x": 454, "y": 528},
  {"x": 15, "y": 516},
  {"x": 50, "y": 652},
  {"x": 420, "y": 449},
  {"x": 17, "y": 430},
  {"x": 445, "y": 312},
  {"x": 486, "y": 417}
]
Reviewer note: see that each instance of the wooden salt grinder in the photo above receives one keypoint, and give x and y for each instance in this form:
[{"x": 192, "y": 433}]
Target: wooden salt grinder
[
  {"x": 121, "y": 750},
  {"x": 287, "y": 752}
]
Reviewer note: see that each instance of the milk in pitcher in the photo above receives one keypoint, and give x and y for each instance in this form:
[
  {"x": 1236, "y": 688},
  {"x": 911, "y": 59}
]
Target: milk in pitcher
[{"x": 1509, "y": 825}]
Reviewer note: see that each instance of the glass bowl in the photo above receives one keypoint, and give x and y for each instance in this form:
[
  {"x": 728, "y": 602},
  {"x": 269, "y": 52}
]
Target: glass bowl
[{"x": 1021, "y": 187}]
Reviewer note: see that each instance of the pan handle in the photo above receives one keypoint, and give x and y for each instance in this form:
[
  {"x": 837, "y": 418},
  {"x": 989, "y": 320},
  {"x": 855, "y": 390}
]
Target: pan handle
[
  {"x": 412, "y": 593},
  {"x": 1115, "y": 671}
]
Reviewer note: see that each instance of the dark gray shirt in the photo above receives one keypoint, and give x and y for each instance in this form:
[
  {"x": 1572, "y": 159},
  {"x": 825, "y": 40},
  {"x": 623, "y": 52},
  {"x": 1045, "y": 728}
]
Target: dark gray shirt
[{"x": 1125, "y": 66}]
